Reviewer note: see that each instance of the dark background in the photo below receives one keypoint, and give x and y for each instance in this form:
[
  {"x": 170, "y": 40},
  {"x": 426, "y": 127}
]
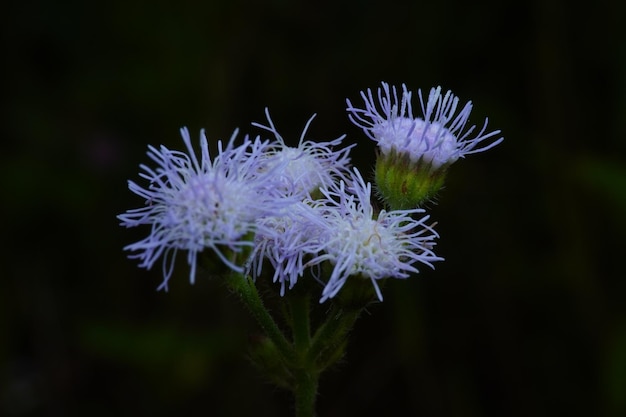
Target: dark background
[{"x": 527, "y": 315}]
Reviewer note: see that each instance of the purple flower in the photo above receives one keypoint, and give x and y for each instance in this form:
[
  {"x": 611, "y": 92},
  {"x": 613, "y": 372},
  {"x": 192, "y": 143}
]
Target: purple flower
[
  {"x": 193, "y": 204},
  {"x": 286, "y": 240},
  {"x": 361, "y": 243},
  {"x": 438, "y": 137},
  {"x": 306, "y": 167}
]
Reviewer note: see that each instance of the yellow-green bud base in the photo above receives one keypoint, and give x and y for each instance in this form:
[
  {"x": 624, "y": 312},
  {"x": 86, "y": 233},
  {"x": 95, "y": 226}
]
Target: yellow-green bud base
[{"x": 404, "y": 184}]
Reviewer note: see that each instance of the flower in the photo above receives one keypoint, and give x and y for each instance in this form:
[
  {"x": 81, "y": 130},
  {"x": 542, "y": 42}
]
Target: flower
[
  {"x": 361, "y": 243},
  {"x": 415, "y": 152},
  {"x": 196, "y": 204},
  {"x": 308, "y": 166},
  {"x": 285, "y": 240},
  {"x": 287, "y": 237},
  {"x": 439, "y": 137}
]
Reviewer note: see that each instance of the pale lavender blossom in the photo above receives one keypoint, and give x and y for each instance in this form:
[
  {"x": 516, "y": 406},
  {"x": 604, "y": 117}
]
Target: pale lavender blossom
[
  {"x": 194, "y": 204},
  {"x": 364, "y": 244},
  {"x": 285, "y": 240},
  {"x": 439, "y": 136},
  {"x": 308, "y": 166}
]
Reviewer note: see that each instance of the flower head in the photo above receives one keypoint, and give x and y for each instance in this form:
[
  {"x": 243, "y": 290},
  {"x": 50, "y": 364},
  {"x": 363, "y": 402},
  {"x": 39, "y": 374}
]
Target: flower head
[
  {"x": 415, "y": 151},
  {"x": 359, "y": 242},
  {"x": 308, "y": 166},
  {"x": 438, "y": 137},
  {"x": 285, "y": 240},
  {"x": 196, "y": 204}
]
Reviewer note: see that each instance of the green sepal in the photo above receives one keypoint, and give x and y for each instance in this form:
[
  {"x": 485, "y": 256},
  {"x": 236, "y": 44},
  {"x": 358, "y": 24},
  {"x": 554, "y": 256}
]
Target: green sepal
[{"x": 404, "y": 184}]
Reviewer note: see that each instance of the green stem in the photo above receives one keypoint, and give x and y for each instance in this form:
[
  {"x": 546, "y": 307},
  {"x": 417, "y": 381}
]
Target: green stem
[
  {"x": 306, "y": 392},
  {"x": 306, "y": 383},
  {"x": 244, "y": 286}
]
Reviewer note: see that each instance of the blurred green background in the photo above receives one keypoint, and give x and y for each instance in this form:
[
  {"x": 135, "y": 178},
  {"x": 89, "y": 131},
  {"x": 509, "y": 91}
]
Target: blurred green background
[{"x": 527, "y": 315}]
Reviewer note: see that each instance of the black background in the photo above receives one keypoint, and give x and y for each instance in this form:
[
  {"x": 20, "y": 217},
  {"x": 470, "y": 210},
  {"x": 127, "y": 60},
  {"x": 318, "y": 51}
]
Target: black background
[{"x": 525, "y": 317}]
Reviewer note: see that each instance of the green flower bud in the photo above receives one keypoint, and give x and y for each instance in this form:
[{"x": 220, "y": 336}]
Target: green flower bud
[{"x": 404, "y": 184}]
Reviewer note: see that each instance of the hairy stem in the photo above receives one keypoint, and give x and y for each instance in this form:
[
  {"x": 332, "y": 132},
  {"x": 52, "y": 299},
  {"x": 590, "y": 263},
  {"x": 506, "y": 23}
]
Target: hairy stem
[{"x": 245, "y": 288}]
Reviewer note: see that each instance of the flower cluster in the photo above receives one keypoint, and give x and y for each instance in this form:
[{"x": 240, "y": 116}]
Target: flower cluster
[
  {"x": 416, "y": 151},
  {"x": 196, "y": 204},
  {"x": 438, "y": 138},
  {"x": 302, "y": 209}
]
